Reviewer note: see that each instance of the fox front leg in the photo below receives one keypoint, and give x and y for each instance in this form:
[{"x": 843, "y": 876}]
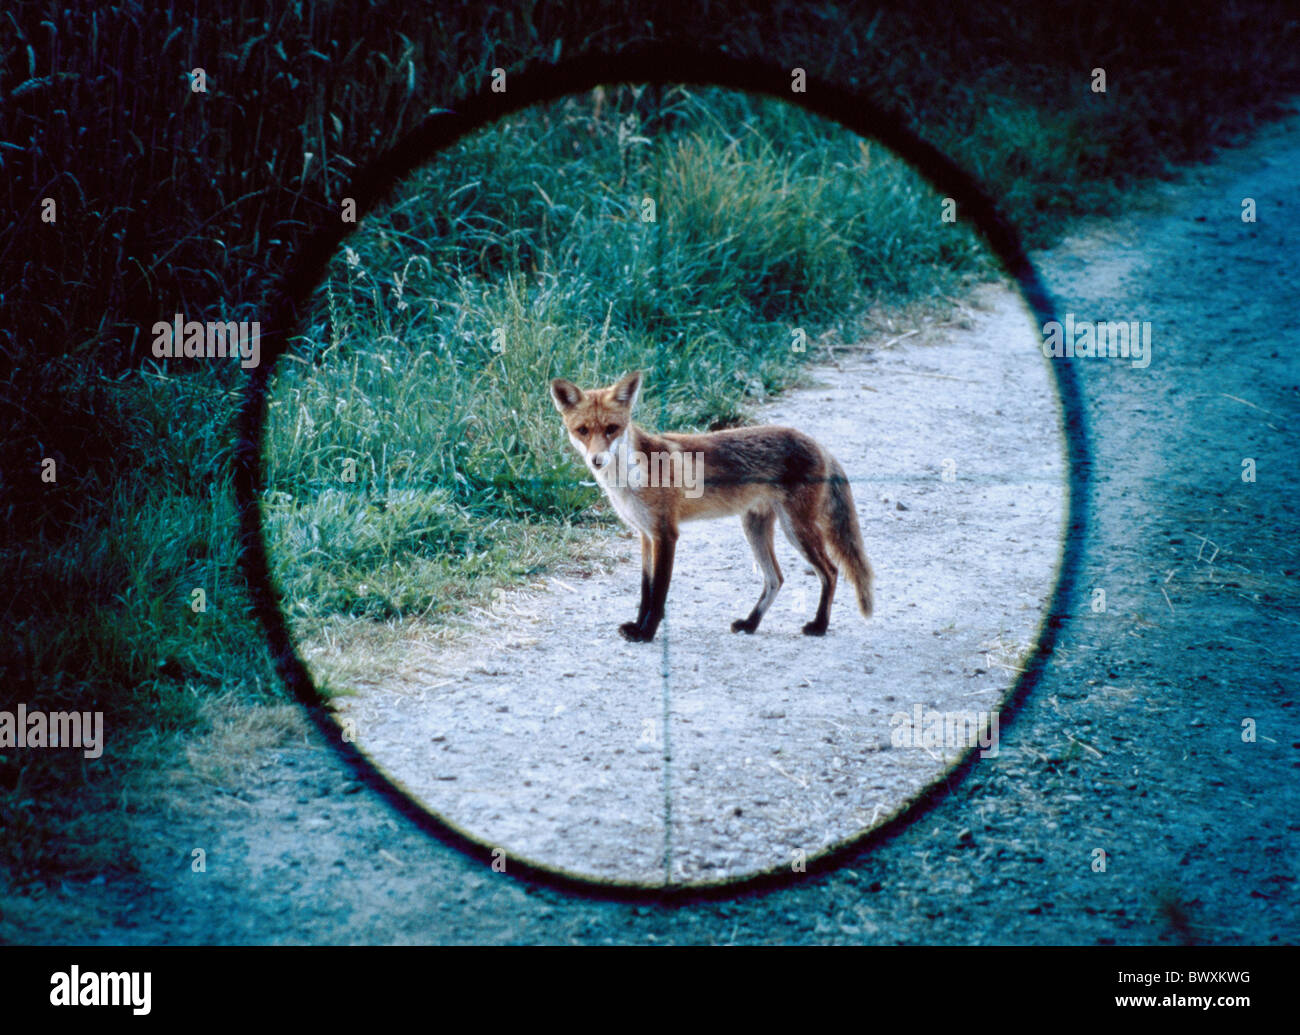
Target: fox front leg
[
  {"x": 647, "y": 566},
  {"x": 656, "y": 573},
  {"x": 632, "y": 630}
]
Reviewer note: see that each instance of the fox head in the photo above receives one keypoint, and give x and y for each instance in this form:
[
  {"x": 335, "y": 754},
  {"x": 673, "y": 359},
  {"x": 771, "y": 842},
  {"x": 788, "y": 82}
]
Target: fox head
[{"x": 597, "y": 420}]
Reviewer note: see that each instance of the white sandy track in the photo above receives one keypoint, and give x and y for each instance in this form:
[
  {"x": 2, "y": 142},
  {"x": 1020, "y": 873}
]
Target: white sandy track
[{"x": 545, "y": 737}]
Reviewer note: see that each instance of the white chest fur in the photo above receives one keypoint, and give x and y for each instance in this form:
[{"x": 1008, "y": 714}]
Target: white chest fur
[
  {"x": 622, "y": 479},
  {"x": 630, "y": 507}
]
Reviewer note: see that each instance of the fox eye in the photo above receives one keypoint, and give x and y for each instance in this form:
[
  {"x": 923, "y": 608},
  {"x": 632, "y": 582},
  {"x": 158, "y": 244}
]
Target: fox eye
[
  {"x": 583, "y": 431},
  {"x": 611, "y": 430}
]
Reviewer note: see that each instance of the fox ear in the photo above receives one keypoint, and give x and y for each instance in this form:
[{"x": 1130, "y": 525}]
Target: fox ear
[
  {"x": 627, "y": 389},
  {"x": 565, "y": 394}
]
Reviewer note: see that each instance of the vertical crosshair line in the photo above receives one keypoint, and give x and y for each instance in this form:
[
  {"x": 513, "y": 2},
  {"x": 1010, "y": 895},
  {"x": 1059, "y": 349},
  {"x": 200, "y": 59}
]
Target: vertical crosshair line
[
  {"x": 664, "y": 632},
  {"x": 668, "y": 753}
]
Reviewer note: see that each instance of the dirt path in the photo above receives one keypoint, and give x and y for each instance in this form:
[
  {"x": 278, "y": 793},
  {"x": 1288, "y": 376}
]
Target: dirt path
[
  {"x": 542, "y": 734},
  {"x": 1131, "y": 745}
]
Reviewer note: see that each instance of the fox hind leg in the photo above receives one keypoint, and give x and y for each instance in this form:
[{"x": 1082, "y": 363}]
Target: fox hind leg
[
  {"x": 759, "y": 526},
  {"x": 806, "y": 536}
]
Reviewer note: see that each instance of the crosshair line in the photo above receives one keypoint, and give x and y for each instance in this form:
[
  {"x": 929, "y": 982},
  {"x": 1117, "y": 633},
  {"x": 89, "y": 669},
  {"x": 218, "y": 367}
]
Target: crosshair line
[{"x": 668, "y": 753}]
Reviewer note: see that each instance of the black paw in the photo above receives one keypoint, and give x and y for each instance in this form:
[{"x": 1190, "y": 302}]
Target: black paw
[
  {"x": 815, "y": 629},
  {"x": 633, "y": 632},
  {"x": 743, "y": 625}
]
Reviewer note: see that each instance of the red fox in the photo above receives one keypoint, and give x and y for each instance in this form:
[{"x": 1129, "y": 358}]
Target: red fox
[{"x": 764, "y": 474}]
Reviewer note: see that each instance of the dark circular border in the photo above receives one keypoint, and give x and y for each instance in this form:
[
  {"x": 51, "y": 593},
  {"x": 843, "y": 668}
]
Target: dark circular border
[{"x": 650, "y": 64}]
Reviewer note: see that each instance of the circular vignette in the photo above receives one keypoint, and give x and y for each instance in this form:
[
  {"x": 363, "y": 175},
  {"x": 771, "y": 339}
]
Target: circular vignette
[{"x": 654, "y": 64}]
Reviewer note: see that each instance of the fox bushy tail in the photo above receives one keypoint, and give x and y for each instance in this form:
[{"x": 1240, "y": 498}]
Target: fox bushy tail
[{"x": 846, "y": 538}]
